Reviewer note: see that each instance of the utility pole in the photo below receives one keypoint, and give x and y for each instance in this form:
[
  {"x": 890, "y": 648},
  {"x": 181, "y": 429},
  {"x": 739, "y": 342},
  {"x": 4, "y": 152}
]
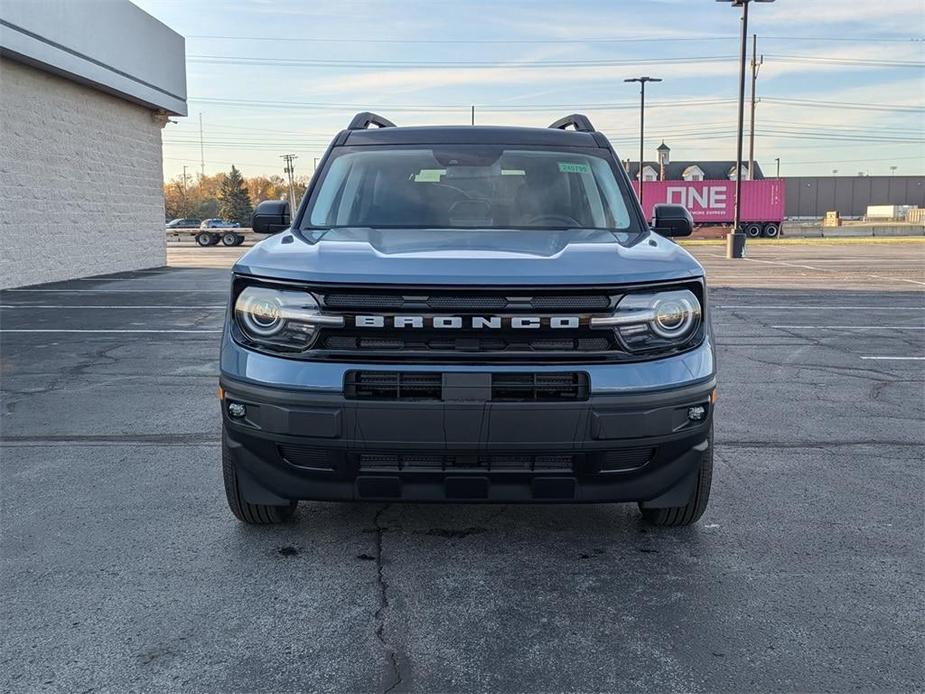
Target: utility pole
[
  {"x": 756, "y": 66},
  {"x": 473, "y": 115},
  {"x": 202, "y": 156},
  {"x": 185, "y": 198},
  {"x": 642, "y": 125},
  {"x": 289, "y": 158},
  {"x": 735, "y": 240}
]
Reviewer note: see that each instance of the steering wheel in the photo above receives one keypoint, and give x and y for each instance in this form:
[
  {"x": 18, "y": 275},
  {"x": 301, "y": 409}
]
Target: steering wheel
[{"x": 556, "y": 219}]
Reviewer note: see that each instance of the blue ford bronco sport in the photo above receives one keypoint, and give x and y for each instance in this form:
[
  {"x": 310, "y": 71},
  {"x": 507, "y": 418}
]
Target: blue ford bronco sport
[{"x": 468, "y": 314}]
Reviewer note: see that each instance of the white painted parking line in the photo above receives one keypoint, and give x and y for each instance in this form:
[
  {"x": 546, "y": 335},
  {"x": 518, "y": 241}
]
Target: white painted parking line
[
  {"x": 123, "y": 291},
  {"x": 851, "y": 327},
  {"x": 822, "y": 308},
  {"x": 65, "y": 330},
  {"x": 895, "y": 358},
  {"x": 166, "y": 306},
  {"x": 822, "y": 269}
]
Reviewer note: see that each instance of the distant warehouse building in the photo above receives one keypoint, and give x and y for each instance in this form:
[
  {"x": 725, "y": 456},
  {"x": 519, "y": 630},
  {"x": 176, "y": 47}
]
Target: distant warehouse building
[
  {"x": 850, "y": 196},
  {"x": 85, "y": 89}
]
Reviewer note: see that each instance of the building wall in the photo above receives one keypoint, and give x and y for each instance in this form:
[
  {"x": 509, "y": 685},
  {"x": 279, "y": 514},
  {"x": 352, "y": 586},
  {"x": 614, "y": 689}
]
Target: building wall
[
  {"x": 112, "y": 45},
  {"x": 80, "y": 180},
  {"x": 813, "y": 196}
]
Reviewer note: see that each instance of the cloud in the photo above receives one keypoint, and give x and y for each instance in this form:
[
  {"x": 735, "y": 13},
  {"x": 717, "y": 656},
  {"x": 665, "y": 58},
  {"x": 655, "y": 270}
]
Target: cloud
[{"x": 817, "y": 15}]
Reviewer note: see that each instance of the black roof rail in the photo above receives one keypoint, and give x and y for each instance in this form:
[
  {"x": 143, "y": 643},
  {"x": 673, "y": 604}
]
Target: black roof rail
[
  {"x": 362, "y": 121},
  {"x": 580, "y": 123}
]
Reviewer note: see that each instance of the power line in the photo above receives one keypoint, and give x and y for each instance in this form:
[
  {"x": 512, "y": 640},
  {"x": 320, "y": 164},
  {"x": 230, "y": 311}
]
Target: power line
[
  {"x": 461, "y": 108},
  {"x": 852, "y": 161},
  {"x": 862, "y": 62},
  {"x": 405, "y": 64},
  {"x": 556, "y": 41},
  {"x": 813, "y": 103}
]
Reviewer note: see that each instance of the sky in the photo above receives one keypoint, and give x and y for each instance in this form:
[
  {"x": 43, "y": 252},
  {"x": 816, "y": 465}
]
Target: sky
[{"x": 842, "y": 86}]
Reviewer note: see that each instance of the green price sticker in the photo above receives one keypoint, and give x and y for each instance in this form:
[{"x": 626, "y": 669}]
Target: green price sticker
[{"x": 568, "y": 167}]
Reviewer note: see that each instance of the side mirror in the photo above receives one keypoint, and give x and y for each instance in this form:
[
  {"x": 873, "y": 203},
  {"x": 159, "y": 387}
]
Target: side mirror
[
  {"x": 672, "y": 220},
  {"x": 270, "y": 216}
]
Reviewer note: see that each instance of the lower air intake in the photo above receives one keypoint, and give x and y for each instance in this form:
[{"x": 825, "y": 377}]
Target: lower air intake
[
  {"x": 393, "y": 385},
  {"x": 539, "y": 387}
]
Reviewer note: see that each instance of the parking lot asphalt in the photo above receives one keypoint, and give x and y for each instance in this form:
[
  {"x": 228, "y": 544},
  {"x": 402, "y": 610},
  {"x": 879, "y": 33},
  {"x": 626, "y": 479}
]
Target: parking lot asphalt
[{"x": 124, "y": 570}]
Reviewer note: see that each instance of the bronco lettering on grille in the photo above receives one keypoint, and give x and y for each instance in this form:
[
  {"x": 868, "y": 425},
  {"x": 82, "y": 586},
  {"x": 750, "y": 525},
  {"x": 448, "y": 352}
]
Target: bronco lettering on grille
[{"x": 469, "y": 322}]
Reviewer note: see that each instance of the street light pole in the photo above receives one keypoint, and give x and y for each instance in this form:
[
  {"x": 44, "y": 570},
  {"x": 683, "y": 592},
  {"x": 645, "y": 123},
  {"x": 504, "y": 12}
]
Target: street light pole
[
  {"x": 735, "y": 240},
  {"x": 642, "y": 126}
]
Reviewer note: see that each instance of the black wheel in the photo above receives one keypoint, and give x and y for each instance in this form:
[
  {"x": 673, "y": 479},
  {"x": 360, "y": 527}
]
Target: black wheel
[
  {"x": 204, "y": 239},
  {"x": 214, "y": 239},
  {"x": 239, "y": 240},
  {"x": 229, "y": 238},
  {"x": 753, "y": 230},
  {"x": 253, "y": 514},
  {"x": 679, "y": 516},
  {"x": 771, "y": 230}
]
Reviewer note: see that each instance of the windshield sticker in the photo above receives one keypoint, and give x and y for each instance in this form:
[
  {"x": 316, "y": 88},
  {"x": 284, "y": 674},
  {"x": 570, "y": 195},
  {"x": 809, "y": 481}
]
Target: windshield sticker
[
  {"x": 429, "y": 175},
  {"x": 569, "y": 167}
]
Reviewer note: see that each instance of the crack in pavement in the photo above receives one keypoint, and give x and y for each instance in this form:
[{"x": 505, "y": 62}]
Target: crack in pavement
[{"x": 391, "y": 651}]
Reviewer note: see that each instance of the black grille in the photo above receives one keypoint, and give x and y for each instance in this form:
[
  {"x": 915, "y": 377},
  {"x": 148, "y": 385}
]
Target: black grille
[
  {"x": 362, "y": 301},
  {"x": 477, "y": 303},
  {"x": 440, "y": 462},
  {"x": 434, "y": 341},
  {"x": 540, "y": 387},
  {"x": 505, "y": 387},
  {"x": 393, "y": 385}
]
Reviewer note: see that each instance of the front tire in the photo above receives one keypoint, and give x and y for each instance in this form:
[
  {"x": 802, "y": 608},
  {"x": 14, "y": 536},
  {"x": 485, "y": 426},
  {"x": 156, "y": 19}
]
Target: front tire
[
  {"x": 204, "y": 239},
  {"x": 252, "y": 514},
  {"x": 679, "y": 516},
  {"x": 753, "y": 230}
]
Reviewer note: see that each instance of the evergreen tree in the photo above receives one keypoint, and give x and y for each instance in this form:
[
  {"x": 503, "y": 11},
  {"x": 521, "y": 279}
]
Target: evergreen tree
[{"x": 234, "y": 200}]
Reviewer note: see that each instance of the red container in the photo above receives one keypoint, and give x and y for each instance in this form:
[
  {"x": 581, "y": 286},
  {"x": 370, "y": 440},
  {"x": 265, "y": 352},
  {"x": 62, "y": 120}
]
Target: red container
[{"x": 713, "y": 202}]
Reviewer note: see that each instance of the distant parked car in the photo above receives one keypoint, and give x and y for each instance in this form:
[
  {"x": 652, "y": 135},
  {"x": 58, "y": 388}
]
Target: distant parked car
[
  {"x": 184, "y": 223},
  {"x": 218, "y": 224}
]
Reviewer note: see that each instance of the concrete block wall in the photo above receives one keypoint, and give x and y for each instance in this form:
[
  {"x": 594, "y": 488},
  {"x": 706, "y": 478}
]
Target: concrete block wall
[{"x": 81, "y": 180}]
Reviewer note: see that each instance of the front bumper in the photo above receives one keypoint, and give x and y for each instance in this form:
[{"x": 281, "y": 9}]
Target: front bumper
[{"x": 298, "y": 444}]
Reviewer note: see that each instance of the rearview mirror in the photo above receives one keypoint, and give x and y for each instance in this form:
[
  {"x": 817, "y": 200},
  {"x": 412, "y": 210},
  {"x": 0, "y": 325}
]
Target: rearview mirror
[
  {"x": 270, "y": 216},
  {"x": 672, "y": 220}
]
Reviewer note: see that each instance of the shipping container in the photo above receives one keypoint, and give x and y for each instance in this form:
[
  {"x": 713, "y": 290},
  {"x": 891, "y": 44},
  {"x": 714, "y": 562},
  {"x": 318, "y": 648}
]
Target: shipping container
[{"x": 712, "y": 203}]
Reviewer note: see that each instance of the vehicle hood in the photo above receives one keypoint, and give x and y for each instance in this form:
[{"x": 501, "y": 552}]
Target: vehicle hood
[{"x": 467, "y": 257}]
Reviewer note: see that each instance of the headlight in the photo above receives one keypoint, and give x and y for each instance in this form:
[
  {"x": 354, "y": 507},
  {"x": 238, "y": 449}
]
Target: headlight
[
  {"x": 280, "y": 319},
  {"x": 652, "y": 321}
]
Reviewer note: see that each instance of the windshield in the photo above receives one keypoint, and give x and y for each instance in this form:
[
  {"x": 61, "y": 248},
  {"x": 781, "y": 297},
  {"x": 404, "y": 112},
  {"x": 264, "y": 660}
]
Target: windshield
[{"x": 458, "y": 187}]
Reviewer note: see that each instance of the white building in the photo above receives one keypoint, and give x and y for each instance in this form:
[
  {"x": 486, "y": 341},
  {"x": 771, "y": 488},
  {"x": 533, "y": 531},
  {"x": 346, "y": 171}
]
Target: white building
[{"x": 85, "y": 90}]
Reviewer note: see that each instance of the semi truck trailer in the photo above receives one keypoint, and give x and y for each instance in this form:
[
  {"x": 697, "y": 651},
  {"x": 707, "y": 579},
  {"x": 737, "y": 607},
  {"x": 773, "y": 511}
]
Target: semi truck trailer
[{"x": 712, "y": 203}]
